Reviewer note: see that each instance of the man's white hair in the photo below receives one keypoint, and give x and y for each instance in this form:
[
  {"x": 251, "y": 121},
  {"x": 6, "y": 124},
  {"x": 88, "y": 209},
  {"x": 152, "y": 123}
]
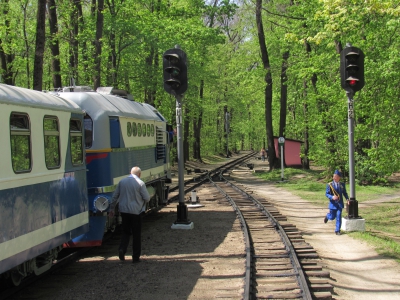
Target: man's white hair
[{"x": 136, "y": 171}]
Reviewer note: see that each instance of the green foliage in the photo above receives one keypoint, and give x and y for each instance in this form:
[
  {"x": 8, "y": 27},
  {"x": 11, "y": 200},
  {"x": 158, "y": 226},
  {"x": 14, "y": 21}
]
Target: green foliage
[{"x": 225, "y": 70}]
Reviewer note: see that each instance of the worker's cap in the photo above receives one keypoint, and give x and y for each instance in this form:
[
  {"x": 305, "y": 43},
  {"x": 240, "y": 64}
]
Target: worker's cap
[{"x": 338, "y": 173}]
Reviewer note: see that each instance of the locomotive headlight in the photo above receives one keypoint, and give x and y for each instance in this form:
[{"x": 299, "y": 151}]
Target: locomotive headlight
[{"x": 101, "y": 203}]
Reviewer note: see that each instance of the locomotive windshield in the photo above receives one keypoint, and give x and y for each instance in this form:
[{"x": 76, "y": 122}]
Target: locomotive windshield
[{"x": 88, "y": 123}]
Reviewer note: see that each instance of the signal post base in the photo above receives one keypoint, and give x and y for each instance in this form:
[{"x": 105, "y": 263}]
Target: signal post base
[
  {"x": 182, "y": 226},
  {"x": 182, "y": 221},
  {"x": 357, "y": 224}
]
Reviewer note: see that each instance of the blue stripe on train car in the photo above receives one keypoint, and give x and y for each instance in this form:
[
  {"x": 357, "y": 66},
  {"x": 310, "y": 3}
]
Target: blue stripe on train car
[
  {"x": 28, "y": 208},
  {"x": 93, "y": 237},
  {"x": 103, "y": 168},
  {"x": 52, "y": 212},
  {"x": 23, "y": 256}
]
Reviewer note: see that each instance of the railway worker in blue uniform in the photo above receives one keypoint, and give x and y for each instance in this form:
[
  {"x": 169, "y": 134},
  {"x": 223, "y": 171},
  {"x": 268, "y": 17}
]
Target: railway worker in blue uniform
[
  {"x": 133, "y": 196},
  {"x": 335, "y": 191}
]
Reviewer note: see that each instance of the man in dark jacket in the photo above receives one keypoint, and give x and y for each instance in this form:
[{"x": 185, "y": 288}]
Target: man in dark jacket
[
  {"x": 335, "y": 191},
  {"x": 133, "y": 196}
]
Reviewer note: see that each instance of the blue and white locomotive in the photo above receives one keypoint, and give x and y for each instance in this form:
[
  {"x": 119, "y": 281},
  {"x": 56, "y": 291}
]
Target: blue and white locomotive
[
  {"x": 43, "y": 191},
  {"x": 119, "y": 134}
]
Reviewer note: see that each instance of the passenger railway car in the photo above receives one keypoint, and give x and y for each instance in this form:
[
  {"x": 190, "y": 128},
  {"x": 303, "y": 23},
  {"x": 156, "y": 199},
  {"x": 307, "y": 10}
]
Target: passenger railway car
[
  {"x": 43, "y": 191},
  {"x": 119, "y": 134}
]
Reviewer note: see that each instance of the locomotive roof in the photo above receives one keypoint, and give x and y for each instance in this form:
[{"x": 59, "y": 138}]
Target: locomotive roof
[
  {"x": 97, "y": 104},
  {"x": 21, "y": 96}
]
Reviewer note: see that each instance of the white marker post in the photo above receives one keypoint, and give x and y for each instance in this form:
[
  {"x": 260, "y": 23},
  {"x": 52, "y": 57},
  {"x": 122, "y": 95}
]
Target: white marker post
[{"x": 281, "y": 141}]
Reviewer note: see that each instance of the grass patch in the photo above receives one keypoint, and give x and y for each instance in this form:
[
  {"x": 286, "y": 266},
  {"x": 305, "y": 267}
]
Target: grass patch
[
  {"x": 384, "y": 217},
  {"x": 307, "y": 184},
  {"x": 311, "y": 185},
  {"x": 381, "y": 219},
  {"x": 385, "y": 246},
  {"x": 381, "y": 228}
]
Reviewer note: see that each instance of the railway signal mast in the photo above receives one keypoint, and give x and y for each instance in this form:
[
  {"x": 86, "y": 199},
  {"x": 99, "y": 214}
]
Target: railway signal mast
[
  {"x": 176, "y": 83},
  {"x": 352, "y": 80}
]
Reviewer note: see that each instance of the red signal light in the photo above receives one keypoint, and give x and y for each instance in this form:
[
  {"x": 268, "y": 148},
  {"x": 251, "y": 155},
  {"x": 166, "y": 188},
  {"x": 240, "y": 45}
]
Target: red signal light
[{"x": 352, "y": 82}]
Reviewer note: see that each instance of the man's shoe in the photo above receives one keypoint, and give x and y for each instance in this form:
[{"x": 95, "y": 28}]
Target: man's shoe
[
  {"x": 121, "y": 255},
  {"x": 135, "y": 260},
  {"x": 337, "y": 232},
  {"x": 326, "y": 220}
]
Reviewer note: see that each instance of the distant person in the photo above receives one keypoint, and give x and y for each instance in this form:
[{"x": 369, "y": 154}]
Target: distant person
[
  {"x": 133, "y": 196},
  {"x": 263, "y": 153},
  {"x": 335, "y": 191}
]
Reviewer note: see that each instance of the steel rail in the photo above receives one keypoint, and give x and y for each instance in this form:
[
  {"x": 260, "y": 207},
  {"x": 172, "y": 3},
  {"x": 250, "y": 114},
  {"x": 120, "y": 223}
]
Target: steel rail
[
  {"x": 199, "y": 180},
  {"x": 289, "y": 246},
  {"x": 248, "y": 248}
]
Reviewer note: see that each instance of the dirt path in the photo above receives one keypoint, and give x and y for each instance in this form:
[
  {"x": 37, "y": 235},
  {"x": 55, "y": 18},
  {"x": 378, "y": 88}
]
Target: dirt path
[
  {"x": 357, "y": 271},
  {"x": 382, "y": 199}
]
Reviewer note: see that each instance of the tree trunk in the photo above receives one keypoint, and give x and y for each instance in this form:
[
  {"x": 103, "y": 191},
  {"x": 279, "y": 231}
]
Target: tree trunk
[
  {"x": 98, "y": 44},
  {"x": 6, "y": 59},
  {"x": 27, "y": 46},
  {"x": 283, "y": 111},
  {"x": 185, "y": 136},
  {"x": 196, "y": 134},
  {"x": 197, "y": 123},
  {"x": 54, "y": 45},
  {"x": 112, "y": 57},
  {"x": 73, "y": 42},
  {"x": 150, "y": 90},
  {"x": 83, "y": 47},
  {"x": 282, "y": 121},
  {"x": 273, "y": 161},
  {"x": 39, "y": 48},
  {"x": 306, "y": 160}
]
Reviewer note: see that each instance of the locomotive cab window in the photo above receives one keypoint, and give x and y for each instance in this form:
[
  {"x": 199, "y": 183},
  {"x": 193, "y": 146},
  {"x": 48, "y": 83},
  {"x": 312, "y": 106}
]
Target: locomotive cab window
[
  {"x": 134, "y": 129},
  {"x": 144, "y": 129},
  {"x": 51, "y": 142},
  {"x": 129, "y": 129},
  {"x": 88, "y": 122},
  {"x": 21, "y": 156},
  {"x": 75, "y": 132}
]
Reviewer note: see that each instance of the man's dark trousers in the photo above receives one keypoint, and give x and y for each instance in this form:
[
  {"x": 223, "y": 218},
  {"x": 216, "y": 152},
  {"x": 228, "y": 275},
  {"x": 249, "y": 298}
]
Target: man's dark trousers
[{"x": 131, "y": 224}]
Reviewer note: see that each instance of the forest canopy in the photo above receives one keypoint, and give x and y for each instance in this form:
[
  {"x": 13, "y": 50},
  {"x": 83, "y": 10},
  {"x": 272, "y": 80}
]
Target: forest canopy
[{"x": 272, "y": 66}]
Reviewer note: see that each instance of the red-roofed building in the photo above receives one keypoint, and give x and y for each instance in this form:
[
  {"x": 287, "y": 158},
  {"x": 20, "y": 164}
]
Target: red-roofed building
[{"x": 292, "y": 150}]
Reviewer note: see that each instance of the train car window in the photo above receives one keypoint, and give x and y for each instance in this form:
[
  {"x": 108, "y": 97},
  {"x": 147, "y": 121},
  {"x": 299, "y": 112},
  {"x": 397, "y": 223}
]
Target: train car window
[
  {"x": 148, "y": 129},
  {"x": 88, "y": 122},
  {"x": 144, "y": 129},
  {"x": 51, "y": 134},
  {"x": 75, "y": 132},
  {"x": 139, "y": 129},
  {"x": 134, "y": 129},
  {"x": 129, "y": 129},
  {"x": 21, "y": 154},
  {"x": 152, "y": 129}
]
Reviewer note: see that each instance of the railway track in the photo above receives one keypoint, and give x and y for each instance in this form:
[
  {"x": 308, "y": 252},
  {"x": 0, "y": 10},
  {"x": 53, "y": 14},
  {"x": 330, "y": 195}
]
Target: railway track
[
  {"x": 279, "y": 263},
  {"x": 204, "y": 176}
]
